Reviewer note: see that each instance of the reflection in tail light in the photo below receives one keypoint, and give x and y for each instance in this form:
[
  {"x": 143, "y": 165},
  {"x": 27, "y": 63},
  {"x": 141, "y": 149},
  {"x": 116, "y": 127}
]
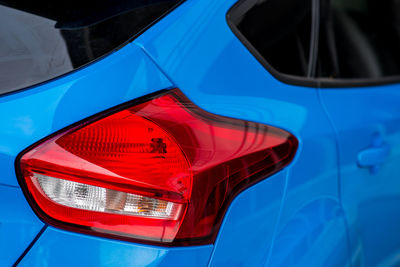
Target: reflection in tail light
[{"x": 161, "y": 171}]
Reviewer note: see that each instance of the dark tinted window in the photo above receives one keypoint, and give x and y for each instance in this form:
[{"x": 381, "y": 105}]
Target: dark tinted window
[
  {"x": 279, "y": 30},
  {"x": 42, "y": 39},
  {"x": 359, "y": 39}
]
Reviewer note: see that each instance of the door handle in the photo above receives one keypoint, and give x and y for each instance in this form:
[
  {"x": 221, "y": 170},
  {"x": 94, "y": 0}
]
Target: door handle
[{"x": 375, "y": 155}]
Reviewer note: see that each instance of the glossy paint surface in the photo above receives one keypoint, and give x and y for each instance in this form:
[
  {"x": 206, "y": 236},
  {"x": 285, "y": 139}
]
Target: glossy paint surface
[
  {"x": 60, "y": 248},
  {"x": 367, "y": 122},
  {"x": 33, "y": 114},
  {"x": 18, "y": 224},
  {"x": 295, "y": 219}
]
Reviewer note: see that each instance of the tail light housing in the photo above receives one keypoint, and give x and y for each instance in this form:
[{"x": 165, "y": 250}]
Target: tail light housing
[{"x": 161, "y": 170}]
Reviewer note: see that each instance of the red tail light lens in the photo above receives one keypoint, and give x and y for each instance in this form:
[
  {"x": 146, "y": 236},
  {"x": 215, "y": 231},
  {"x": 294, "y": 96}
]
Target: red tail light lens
[{"x": 163, "y": 171}]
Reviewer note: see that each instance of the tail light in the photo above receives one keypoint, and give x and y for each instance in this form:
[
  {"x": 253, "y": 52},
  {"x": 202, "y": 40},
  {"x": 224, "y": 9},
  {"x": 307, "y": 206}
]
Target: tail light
[{"x": 162, "y": 171}]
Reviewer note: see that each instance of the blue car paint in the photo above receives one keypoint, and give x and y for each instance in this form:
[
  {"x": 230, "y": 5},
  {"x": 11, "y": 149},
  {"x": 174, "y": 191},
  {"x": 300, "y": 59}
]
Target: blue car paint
[
  {"x": 293, "y": 218},
  {"x": 33, "y": 114},
  {"x": 368, "y": 119},
  {"x": 59, "y": 248},
  {"x": 18, "y": 224},
  {"x": 199, "y": 53},
  {"x": 266, "y": 100}
]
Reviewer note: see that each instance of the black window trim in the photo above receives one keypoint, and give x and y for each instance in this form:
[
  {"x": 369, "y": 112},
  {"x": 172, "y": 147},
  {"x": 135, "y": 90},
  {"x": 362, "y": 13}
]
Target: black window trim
[
  {"x": 243, "y": 6},
  {"x": 130, "y": 40}
]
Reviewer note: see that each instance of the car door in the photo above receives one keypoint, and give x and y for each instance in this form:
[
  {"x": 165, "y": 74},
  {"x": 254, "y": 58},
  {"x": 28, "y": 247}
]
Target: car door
[{"x": 359, "y": 60}]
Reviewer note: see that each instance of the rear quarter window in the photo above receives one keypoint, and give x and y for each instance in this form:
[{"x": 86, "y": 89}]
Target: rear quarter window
[{"x": 277, "y": 32}]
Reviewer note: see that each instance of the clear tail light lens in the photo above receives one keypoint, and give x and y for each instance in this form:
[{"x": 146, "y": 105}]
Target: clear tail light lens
[
  {"x": 162, "y": 171},
  {"x": 94, "y": 198}
]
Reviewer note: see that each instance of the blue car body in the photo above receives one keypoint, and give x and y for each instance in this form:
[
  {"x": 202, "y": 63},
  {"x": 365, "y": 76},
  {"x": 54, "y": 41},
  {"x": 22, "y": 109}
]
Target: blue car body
[{"x": 321, "y": 210}]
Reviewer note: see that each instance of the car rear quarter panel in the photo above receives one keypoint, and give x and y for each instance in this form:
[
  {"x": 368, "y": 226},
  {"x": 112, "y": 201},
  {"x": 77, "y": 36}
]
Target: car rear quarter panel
[{"x": 294, "y": 217}]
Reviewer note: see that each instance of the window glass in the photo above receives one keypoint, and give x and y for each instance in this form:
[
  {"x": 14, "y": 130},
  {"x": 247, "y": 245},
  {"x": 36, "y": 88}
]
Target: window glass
[
  {"x": 359, "y": 39},
  {"x": 279, "y": 30},
  {"x": 43, "y": 39}
]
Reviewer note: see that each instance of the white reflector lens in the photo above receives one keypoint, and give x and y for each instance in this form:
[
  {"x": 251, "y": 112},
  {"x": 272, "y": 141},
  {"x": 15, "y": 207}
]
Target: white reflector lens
[{"x": 94, "y": 198}]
